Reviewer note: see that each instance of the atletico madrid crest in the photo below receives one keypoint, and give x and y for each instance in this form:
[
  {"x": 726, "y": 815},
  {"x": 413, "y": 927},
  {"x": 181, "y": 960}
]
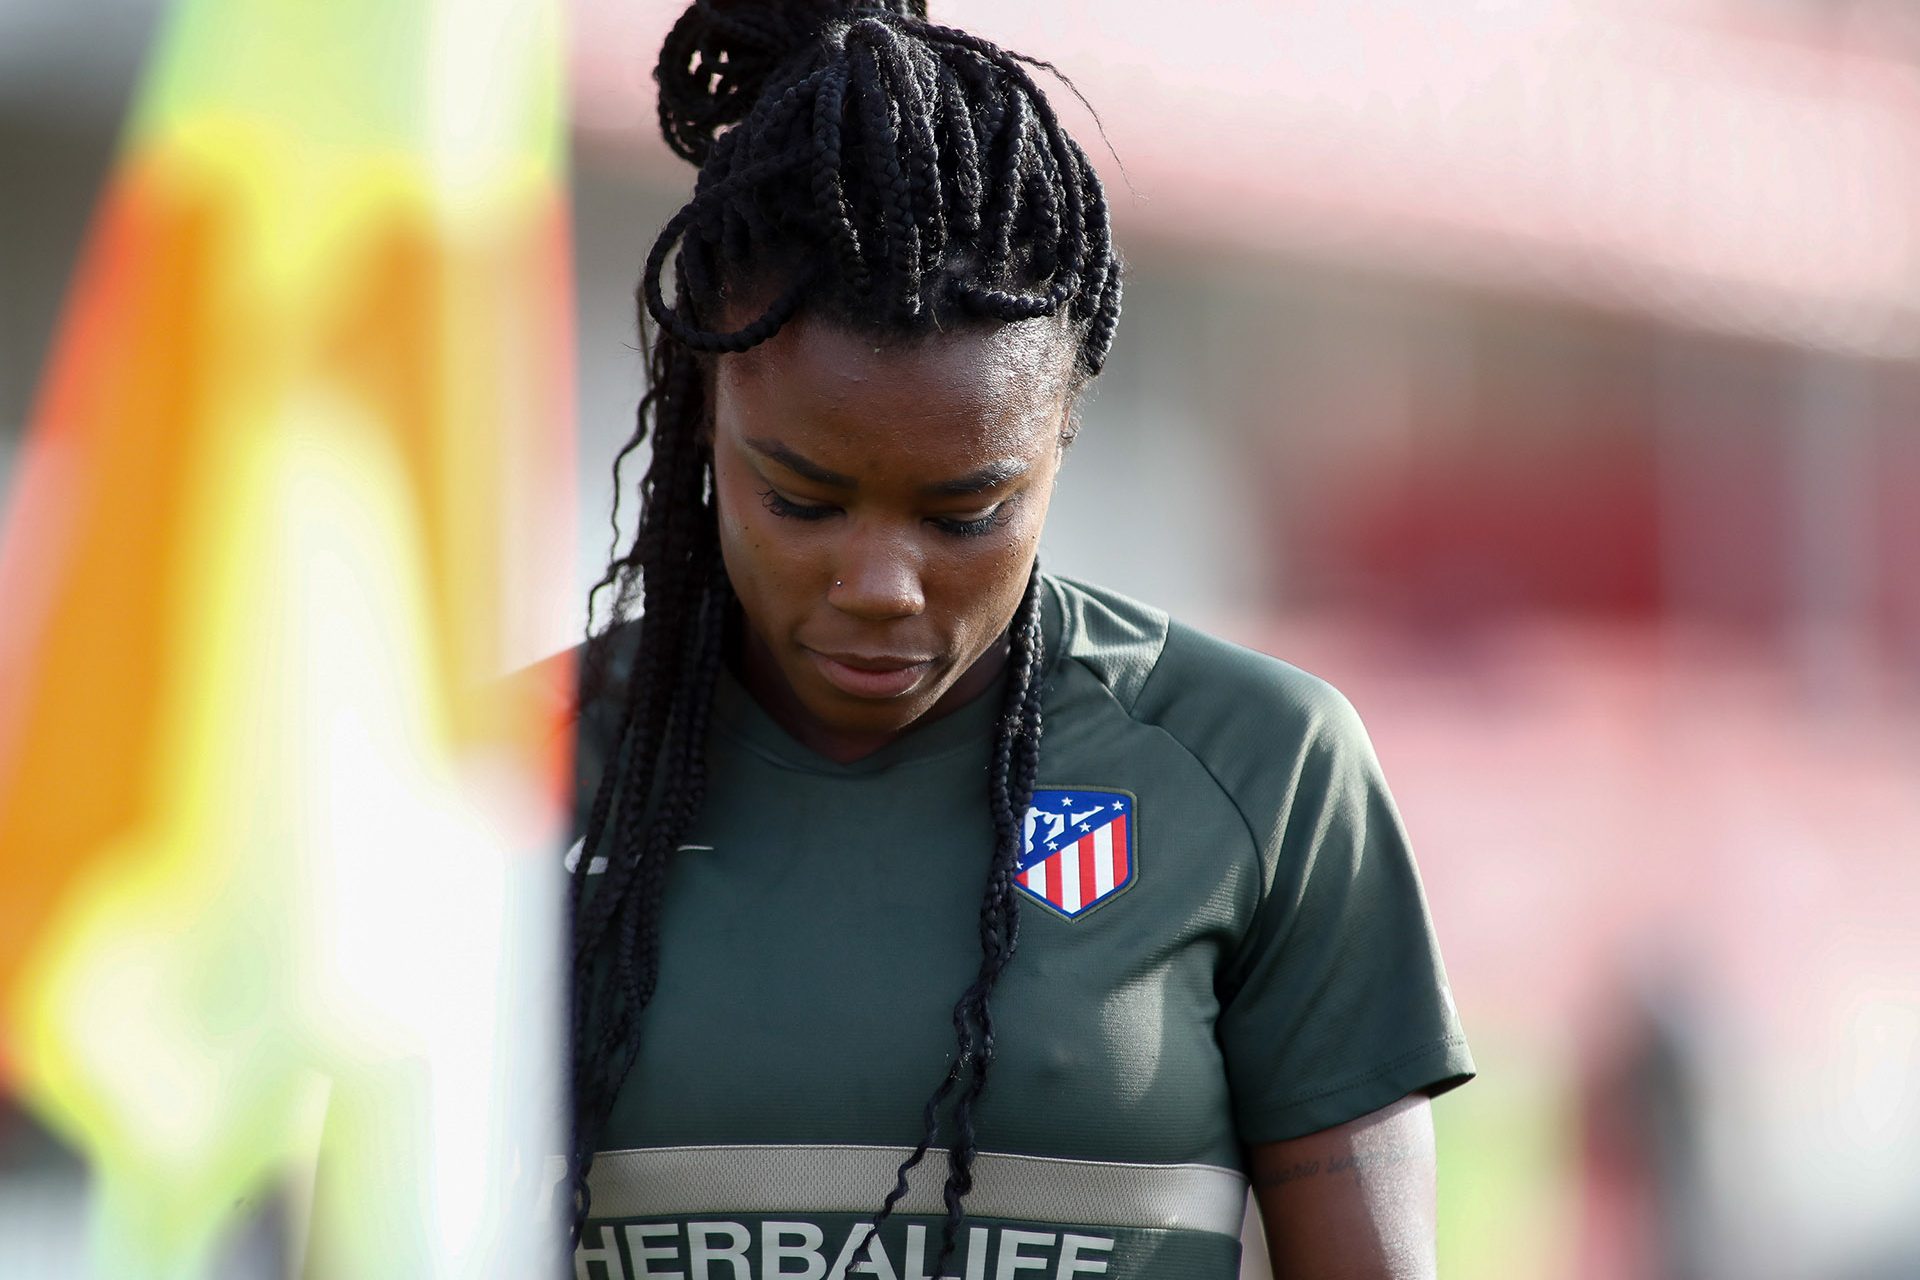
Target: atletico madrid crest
[{"x": 1078, "y": 849}]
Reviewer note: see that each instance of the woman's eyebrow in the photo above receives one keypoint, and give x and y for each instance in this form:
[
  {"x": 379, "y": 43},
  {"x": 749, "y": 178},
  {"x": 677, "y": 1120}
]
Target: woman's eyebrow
[
  {"x": 991, "y": 476},
  {"x": 805, "y": 468}
]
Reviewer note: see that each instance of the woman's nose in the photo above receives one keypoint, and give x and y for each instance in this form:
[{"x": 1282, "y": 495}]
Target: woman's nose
[{"x": 877, "y": 577}]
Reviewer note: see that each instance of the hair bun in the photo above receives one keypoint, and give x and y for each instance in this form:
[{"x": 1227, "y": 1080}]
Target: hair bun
[{"x": 721, "y": 54}]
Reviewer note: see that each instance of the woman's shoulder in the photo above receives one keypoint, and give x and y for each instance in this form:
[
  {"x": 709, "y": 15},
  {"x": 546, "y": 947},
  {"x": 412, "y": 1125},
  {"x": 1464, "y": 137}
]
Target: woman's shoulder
[
  {"x": 1159, "y": 667},
  {"x": 583, "y": 676},
  {"x": 580, "y": 691},
  {"x": 1279, "y": 742}
]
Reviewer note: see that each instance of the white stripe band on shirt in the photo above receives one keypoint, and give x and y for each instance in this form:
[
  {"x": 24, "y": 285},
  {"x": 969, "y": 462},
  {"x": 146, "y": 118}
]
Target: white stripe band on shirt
[{"x": 683, "y": 1181}]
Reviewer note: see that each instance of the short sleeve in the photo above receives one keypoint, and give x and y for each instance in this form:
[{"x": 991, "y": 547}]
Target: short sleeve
[{"x": 1337, "y": 1002}]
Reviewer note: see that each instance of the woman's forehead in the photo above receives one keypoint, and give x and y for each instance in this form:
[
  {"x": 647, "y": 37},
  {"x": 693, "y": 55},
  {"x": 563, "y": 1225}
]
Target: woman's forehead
[
  {"x": 992, "y": 385},
  {"x": 975, "y": 352}
]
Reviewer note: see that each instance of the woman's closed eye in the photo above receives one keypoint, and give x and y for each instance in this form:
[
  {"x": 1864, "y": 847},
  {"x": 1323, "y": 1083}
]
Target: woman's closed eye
[
  {"x": 960, "y": 526},
  {"x": 975, "y": 526},
  {"x": 781, "y": 505}
]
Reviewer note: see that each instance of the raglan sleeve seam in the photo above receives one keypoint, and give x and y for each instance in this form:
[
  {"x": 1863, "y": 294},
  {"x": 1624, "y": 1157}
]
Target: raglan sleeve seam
[{"x": 1255, "y": 846}]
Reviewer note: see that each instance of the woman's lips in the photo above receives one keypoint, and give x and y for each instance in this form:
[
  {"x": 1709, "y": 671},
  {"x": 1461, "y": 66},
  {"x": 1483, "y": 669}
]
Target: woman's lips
[{"x": 862, "y": 676}]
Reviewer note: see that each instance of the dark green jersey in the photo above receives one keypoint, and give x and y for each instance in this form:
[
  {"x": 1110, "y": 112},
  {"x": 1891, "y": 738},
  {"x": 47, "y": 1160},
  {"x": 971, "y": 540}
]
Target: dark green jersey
[{"x": 1243, "y": 955}]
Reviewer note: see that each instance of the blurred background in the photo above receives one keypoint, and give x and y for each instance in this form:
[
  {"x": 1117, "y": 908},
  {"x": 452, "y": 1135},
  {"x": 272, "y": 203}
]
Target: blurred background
[{"x": 1544, "y": 373}]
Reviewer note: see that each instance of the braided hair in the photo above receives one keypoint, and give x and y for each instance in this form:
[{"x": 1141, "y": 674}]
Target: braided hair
[{"x": 888, "y": 175}]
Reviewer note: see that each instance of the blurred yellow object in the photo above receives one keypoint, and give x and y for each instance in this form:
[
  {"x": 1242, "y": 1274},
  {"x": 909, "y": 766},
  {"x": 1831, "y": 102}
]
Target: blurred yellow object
[{"x": 294, "y": 489}]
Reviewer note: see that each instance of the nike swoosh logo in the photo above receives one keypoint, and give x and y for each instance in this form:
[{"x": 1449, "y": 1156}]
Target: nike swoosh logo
[{"x": 599, "y": 863}]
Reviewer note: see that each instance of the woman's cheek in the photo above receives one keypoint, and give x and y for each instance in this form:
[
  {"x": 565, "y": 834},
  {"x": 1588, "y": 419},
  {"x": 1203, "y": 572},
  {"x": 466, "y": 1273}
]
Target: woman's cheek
[
  {"x": 744, "y": 543},
  {"x": 786, "y": 553}
]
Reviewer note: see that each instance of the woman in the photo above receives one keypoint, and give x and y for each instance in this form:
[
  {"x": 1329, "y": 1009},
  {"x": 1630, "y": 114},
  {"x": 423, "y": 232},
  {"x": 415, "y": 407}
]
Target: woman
[{"x": 851, "y": 709}]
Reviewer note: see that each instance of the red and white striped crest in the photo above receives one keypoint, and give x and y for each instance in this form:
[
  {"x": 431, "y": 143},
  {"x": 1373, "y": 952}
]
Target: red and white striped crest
[{"x": 1078, "y": 848}]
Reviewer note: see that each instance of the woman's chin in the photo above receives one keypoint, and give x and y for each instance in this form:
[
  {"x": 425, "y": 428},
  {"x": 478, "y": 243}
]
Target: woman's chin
[
  {"x": 857, "y": 716},
  {"x": 871, "y": 719}
]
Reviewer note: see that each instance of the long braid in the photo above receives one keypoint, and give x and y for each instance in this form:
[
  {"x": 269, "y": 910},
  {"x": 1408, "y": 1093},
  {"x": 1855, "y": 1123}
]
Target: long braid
[
  {"x": 885, "y": 174},
  {"x": 675, "y": 542},
  {"x": 1013, "y": 770}
]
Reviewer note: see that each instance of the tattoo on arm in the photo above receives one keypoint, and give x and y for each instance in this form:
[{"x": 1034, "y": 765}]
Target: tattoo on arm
[{"x": 1292, "y": 1173}]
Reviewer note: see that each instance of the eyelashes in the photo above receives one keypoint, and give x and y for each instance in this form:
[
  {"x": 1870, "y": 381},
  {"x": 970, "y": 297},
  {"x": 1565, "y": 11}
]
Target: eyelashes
[
  {"x": 977, "y": 527},
  {"x": 772, "y": 501}
]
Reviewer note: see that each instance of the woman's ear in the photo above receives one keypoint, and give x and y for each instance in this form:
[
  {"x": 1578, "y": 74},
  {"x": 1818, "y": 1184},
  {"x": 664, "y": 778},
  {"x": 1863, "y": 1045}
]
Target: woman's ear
[{"x": 1069, "y": 425}]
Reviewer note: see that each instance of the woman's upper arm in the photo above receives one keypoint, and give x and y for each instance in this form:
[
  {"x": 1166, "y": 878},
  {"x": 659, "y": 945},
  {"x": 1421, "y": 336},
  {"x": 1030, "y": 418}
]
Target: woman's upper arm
[{"x": 1354, "y": 1201}]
